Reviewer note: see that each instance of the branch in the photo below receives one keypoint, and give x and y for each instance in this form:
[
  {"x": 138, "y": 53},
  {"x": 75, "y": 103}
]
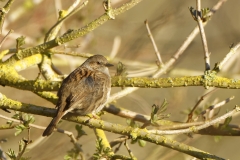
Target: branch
[
  {"x": 63, "y": 15},
  {"x": 110, "y": 127},
  {"x": 197, "y": 128},
  {"x": 69, "y": 36},
  {"x": 187, "y": 42},
  {"x": 203, "y": 36},
  {"x": 159, "y": 62},
  {"x": 232, "y": 51},
  {"x": 168, "y": 64},
  {"x": 3, "y": 12},
  {"x": 208, "y": 80},
  {"x": 3, "y": 40}
]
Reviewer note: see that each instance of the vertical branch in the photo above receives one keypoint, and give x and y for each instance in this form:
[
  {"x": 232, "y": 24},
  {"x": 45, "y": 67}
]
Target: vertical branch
[
  {"x": 3, "y": 12},
  {"x": 160, "y": 63},
  {"x": 102, "y": 136},
  {"x": 129, "y": 150},
  {"x": 46, "y": 66},
  {"x": 63, "y": 15},
  {"x": 203, "y": 36},
  {"x": 168, "y": 64}
]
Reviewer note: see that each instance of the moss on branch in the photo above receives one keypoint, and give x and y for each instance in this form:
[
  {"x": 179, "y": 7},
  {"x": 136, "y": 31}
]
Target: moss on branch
[
  {"x": 73, "y": 34},
  {"x": 6, "y": 79},
  {"x": 202, "y": 80},
  {"x": 136, "y": 133}
]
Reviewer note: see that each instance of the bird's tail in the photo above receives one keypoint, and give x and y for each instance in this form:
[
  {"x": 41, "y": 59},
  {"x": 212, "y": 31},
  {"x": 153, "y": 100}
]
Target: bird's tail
[{"x": 50, "y": 128}]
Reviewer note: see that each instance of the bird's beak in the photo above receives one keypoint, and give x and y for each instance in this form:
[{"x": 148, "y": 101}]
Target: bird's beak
[{"x": 109, "y": 65}]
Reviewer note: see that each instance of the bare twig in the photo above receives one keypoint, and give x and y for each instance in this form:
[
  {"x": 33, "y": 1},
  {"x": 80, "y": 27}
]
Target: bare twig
[
  {"x": 118, "y": 140},
  {"x": 45, "y": 66},
  {"x": 129, "y": 150},
  {"x": 203, "y": 36},
  {"x": 197, "y": 128},
  {"x": 3, "y": 13},
  {"x": 215, "y": 106},
  {"x": 3, "y": 40},
  {"x": 70, "y": 134},
  {"x": 186, "y": 43},
  {"x": 36, "y": 126},
  {"x": 126, "y": 113},
  {"x": 115, "y": 48},
  {"x": 197, "y": 104},
  {"x": 52, "y": 33},
  {"x": 159, "y": 62},
  {"x": 232, "y": 51},
  {"x": 26, "y": 142},
  {"x": 73, "y": 34}
]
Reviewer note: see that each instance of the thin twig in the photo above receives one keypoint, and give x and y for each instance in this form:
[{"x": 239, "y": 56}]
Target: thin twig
[
  {"x": 197, "y": 104},
  {"x": 52, "y": 33},
  {"x": 159, "y": 62},
  {"x": 129, "y": 150},
  {"x": 197, "y": 128},
  {"x": 3, "y": 12},
  {"x": 127, "y": 113},
  {"x": 163, "y": 124},
  {"x": 215, "y": 106},
  {"x": 5, "y": 37},
  {"x": 115, "y": 48},
  {"x": 36, "y": 126},
  {"x": 186, "y": 43},
  {"x": 72, "y": 34},
  {"x": 70, "y": 134},
  {"x": 19, "y": 156},
  {"x": 227, "y": 57},
  {"x": 26, "y": 142},
  {"x": 203, "y": 36},
  {"x": 118, "y": 140}
]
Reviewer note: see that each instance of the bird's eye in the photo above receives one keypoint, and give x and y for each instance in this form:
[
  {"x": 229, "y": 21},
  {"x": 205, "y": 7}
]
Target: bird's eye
[{"x": 98, "y": 63}]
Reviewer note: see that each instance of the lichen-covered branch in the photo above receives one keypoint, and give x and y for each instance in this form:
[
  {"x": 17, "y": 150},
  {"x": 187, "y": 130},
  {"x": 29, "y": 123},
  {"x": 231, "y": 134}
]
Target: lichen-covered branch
[
  {"x": 3, "y": 12},
  {"x": 208, "y": 80},
  {"x": 69, "y": 36},
  {"x": 135, "y": 133}
]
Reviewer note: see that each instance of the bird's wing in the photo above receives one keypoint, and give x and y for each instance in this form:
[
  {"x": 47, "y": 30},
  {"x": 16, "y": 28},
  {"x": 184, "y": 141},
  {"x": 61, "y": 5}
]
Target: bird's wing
[
  {"x": 92, "y": 93},
  {"x": 83, "y": 90},
  {"x": 74, "y": 84}
]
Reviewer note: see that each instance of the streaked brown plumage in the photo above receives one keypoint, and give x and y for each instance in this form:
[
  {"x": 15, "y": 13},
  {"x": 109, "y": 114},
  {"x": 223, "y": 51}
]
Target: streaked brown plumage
[{"x": 84, "y": 91}]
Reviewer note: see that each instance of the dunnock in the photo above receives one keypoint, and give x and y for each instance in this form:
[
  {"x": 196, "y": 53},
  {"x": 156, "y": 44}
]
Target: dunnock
[{"x": 84, "y": 91}]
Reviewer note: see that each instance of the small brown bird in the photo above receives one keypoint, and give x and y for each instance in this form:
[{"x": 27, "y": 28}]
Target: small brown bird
[{"x": 84, "y": 91}]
